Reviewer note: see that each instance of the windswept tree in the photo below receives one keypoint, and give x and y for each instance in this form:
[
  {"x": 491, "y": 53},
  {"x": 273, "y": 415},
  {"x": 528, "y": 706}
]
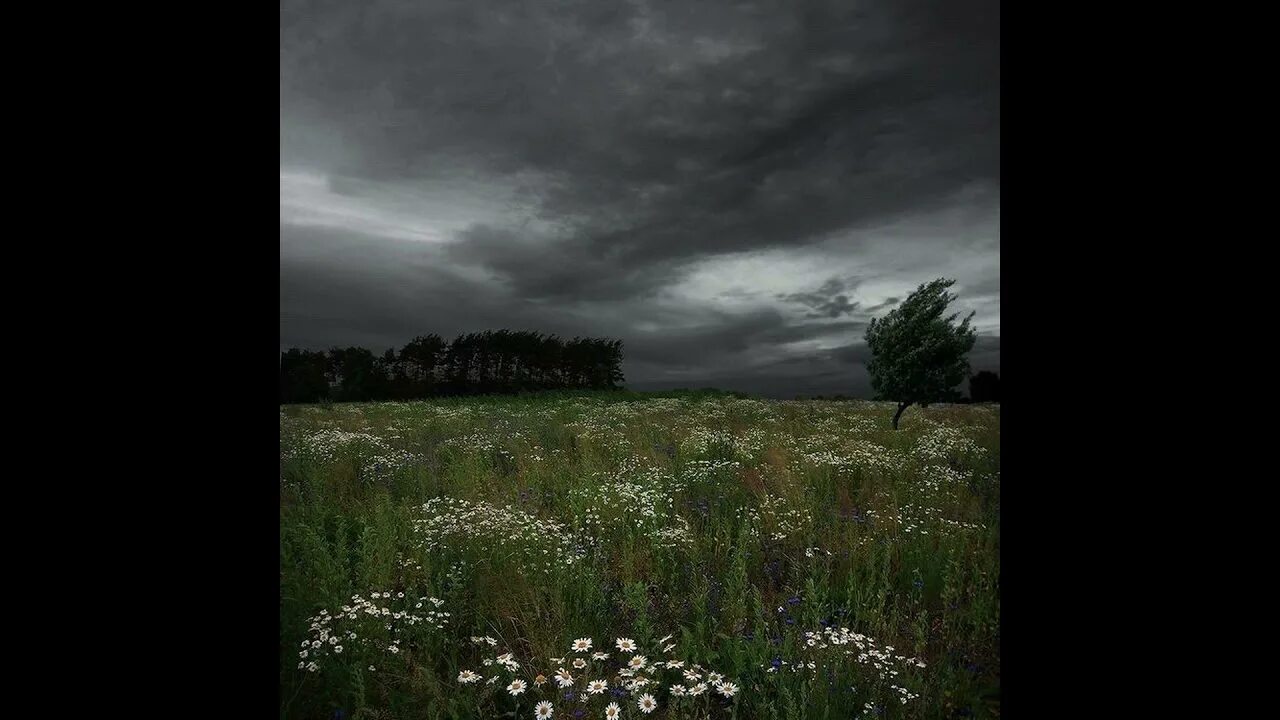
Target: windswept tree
[{"x": 917, "y": 353}]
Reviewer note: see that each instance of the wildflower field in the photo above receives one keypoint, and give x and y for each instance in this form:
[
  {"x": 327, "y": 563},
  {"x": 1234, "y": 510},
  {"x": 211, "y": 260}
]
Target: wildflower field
[{"x": 615, "y": 555}]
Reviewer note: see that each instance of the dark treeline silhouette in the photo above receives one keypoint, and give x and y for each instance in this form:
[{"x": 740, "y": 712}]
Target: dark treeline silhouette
[
  {"x": 985, "y": 387},
  {"x": 484, "y": 363}
]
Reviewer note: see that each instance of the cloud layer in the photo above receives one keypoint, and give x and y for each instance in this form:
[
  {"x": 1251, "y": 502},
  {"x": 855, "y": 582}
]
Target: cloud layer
[{"x": 733, "y": 189}]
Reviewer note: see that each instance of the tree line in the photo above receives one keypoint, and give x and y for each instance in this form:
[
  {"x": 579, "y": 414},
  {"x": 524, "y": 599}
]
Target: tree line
[{"x": 483, "y": 363}]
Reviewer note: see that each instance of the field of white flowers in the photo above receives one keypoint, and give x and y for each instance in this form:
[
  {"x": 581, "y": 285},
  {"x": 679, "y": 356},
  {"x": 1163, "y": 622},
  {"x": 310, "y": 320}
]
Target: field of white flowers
[{"x": 610, "y": 555}]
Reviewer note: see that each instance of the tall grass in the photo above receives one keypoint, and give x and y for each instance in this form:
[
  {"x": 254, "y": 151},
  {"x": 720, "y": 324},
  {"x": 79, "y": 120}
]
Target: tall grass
[{"x": 735, "y": 526}]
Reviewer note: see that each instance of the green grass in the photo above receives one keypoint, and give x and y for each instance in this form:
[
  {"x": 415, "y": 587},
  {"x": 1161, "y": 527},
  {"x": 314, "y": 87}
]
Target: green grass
[{"x": 627, "y": 515}]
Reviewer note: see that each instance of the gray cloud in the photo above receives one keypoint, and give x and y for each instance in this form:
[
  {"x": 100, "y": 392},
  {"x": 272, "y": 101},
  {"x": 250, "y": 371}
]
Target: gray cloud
[
  {"x": 598, "y": 168},
  {"x": 830, "y": 300}
]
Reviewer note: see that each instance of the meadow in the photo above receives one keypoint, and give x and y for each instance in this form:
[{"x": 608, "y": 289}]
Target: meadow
[{"x": 600, "y": 555}]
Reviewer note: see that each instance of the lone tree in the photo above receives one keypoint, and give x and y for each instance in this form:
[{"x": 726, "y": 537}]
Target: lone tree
[{"x": 917, "y": 355}]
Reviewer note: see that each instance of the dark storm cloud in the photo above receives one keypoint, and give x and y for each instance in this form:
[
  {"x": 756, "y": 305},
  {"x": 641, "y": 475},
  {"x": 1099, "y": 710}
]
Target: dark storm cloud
[
  {"x": 888, "y": 304},
  {"x": 641, "y": 141},
  {"x": 830, "y": 300},
  {"x": 725, "y": 341}
]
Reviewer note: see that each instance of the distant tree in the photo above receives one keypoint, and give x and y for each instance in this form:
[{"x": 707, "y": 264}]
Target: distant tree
[
  {"x": 419, "y": 360},
  {"x": 612, "y": 363},
  {"x": 549, "y": 354},
  {"x": 985, "y": 387},
  {"x": 355, "y": 372},
  {"x": 302, "y": 376},
  {"x": 486, "y": 362},
  {"x": 917, "y": 354}
]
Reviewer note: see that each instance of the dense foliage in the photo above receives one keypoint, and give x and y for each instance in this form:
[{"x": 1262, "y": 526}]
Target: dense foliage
[
  {"x": 475, "y": 363},
  {"x": 918, "y": 356}
]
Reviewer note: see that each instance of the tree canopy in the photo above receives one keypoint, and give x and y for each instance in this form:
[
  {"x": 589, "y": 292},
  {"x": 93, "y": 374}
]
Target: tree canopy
[
  {"x": 918, "y": 354},
  {"x": 472, "y": 364}
]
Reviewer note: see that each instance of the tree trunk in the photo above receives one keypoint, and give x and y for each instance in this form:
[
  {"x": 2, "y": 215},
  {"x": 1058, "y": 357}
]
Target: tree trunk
[{"x": 901, "y": 408}]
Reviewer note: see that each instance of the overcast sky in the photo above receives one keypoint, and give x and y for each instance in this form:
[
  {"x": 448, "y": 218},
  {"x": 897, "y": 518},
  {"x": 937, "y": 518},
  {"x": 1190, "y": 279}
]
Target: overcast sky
[{"x": 732, "y": 188}]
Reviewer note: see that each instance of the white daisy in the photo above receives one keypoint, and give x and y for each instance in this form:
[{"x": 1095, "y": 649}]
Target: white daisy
[
  {"x": 466, "y": 676},
  {"x": 579, "y": 663},
  {"x": 582, "y": 644},
  {"x": 727, "y": 689},
  {"x": 626, "y": 644},
  {"x": 595, "y": 687},
  {"x": 542, "y": 709},
  {"x": 647, "y": 704},
  {"x": 612, "y": 711},
  {"x": 517, "y": 686}
]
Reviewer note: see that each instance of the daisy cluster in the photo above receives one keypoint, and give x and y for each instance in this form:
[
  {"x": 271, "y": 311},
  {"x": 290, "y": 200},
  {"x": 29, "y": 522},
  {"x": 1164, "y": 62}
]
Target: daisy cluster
[
  {"x": 942, "y": 481},
  {"x": 775, "y": 519},
  {"x": 942, "y": 443},
  {"x": 444, "y": 523},
  {"x": 587, "y": 676},
  {"x": 858, "y": 424},
  {"x": 918, "y": 518},
  {"x": 373, "y": 623},
  {"x": 868, "y": 455},
  {"x": 383, "y": 465},
  {"x": 327, "y": 445},
  {"x": 643, "y": 499},
  {"x": 746, "y": 445},
  {"x": 604, "y": 436},
  {"x": 709, "y": 413},
  {"x": 476, "y": 442},
  {"x": 831, "y": 644},
  {"x": 818, "y": 451},
  {"x": 704, "y": 471},
  {"x": 701, "y": 439}
]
